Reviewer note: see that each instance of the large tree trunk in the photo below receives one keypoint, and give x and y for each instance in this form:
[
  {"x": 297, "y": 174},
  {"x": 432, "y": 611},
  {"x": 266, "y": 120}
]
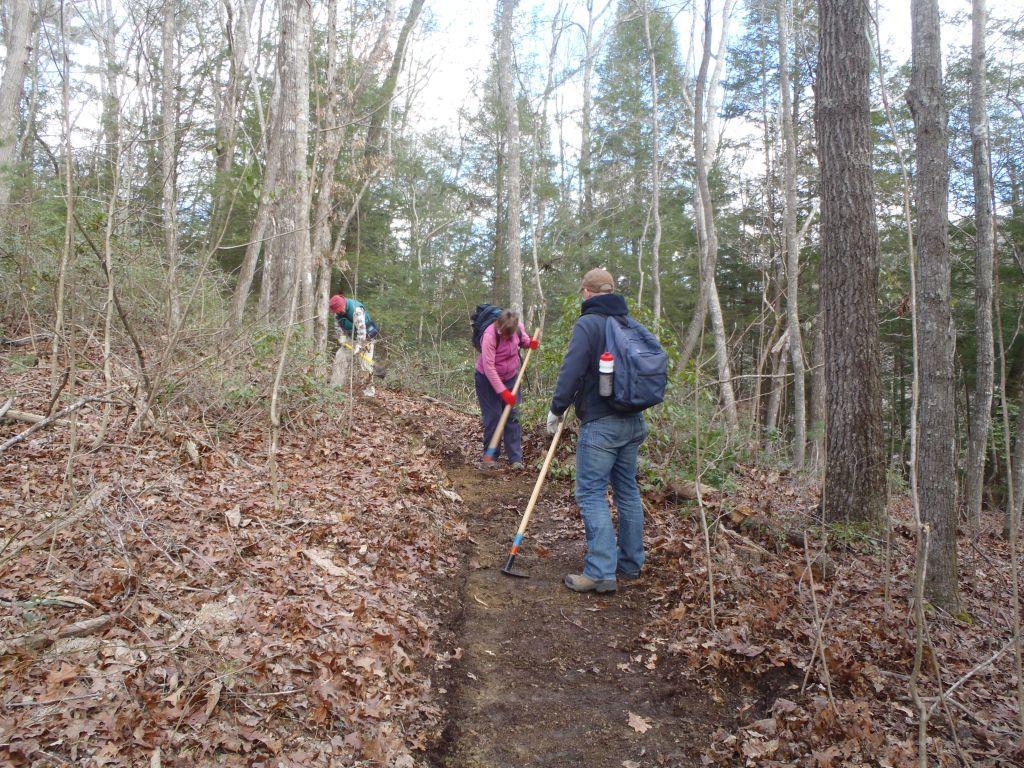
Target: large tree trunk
[
  {"x": 19, "y": 20},
  {"x": 854, "y": 487},
  {"x": 510, "y": 111},
  {"x": 796, "y": 350},
  {"x": 168, "y": 166},
  {"x": 984, "y": 256},
  {"x": 655, "y": 171},
  {"x": 709, "y": 241},
  {"x": 289, "y": 267},
  {"x": 937, "y": 452}
]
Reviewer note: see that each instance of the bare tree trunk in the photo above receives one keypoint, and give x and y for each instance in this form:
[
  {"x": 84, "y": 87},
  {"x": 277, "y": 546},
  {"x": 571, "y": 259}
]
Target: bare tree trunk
[
  {"x": 109, "y": 89},
  {"x": 325, "y": 159},
  {"x": 854, "y": 486},
  {"x": 510, "y": 110},
  {"x": 714, "y": 90},
  {"x": 655, "y": 170},
  {"x": 108, "y": 273},
  {"x": 778, "y": 383},
  {"x": 540, "y": 146},
  {"x": 908, "y": 223},
  {"x": 1013, "y": 513},
  {"x": 710, "y": 132},
  {"x": 936, "y": 458},
  {"x": 275, "y": 413},
  {"x": 26, "y": 147},
  {"x": 289, "y": 250},
  {"x": 168, "y": 156},
  {"x": 270, "y": 139},
  {"x": 817, "y": 412},
  {"x": 1014, "y": 492},
  {"x": 984, "y": 260},
  {"x": 766, "y": 343},
  {"x": 796, "y": 351},
  {"x": 710, "y": 239},
  {"x": 590, "y": 46},
  {"x": 229, "y": 113},
  {"x": 387, "y": 89},
  {"x": 69, "y": 214},
  {"x": 19, "y": 29}
]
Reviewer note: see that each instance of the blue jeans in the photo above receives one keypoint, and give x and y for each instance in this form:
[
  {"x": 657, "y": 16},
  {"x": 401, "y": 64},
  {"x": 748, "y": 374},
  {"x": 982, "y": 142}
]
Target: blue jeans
[{"x": 606, "y": 453}]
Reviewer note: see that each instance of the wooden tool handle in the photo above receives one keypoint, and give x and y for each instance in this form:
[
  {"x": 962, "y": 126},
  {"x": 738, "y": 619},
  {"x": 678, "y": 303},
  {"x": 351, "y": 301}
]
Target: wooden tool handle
[{"x": 540, "y": 478}]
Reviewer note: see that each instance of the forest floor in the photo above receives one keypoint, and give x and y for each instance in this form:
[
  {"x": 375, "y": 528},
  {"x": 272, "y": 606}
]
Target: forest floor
[{"x": 159, "y": 611}]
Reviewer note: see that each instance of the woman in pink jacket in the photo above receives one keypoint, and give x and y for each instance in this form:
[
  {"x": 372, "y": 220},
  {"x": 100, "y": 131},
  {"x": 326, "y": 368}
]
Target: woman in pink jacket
[{"x": 496, "y": 369}]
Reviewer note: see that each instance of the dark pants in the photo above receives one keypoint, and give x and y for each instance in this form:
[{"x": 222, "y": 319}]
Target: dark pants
[{"x": 491, "y": 406}]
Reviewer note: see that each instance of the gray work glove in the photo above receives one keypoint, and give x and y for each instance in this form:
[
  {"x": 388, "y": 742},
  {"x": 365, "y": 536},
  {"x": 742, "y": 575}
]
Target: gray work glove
[{"x": 553, "y": 422}]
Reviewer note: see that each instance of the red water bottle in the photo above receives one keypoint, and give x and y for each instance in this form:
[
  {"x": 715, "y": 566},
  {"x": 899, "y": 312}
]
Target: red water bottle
[{"x": 605, "y": 370}]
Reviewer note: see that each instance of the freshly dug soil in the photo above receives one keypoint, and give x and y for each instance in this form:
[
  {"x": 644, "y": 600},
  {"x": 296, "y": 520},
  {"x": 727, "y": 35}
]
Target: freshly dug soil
[{"x": 548, "y": 677}]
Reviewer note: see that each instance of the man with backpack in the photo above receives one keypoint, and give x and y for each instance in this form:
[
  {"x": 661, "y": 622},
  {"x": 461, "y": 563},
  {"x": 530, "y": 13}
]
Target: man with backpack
[
  {"x": 357, "y": 333},
  {"x": 612, "y": 427}
]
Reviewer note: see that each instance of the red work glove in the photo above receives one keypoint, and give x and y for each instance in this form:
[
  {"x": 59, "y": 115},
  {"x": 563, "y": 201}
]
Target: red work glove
[
  {"x": 534, "y": 343},
  {"x": 508, "y": 397}
]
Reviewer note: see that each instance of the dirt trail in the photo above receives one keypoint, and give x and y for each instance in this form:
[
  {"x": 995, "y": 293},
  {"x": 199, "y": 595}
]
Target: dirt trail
[{"x": 547, "y": 677}]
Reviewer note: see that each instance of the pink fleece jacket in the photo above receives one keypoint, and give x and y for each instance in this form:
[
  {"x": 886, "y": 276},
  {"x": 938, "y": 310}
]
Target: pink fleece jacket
[{"x": 499, "y": 358}]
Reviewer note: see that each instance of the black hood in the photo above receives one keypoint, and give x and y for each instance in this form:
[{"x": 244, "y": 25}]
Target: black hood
[{"x": 605, "y": 304}]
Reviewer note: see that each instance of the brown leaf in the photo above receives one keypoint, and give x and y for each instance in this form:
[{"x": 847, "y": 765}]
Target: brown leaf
[
  {"x": 212, "y": 697},
  {"x": 638, "y": 723},
  {"x": 63, "y": 673},
  {"x": 322, "y": 560}
]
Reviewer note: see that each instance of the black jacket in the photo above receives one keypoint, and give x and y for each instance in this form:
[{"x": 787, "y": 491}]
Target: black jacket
[{"x": 577, "y": 379}]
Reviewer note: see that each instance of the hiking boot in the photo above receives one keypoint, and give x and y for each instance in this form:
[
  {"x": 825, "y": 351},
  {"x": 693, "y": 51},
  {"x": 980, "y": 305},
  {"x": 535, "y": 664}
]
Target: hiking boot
[
  {"x": 577, "y": 582},
  {"x": 623, "y": 576},
  {"x": 517, "y": 465}
]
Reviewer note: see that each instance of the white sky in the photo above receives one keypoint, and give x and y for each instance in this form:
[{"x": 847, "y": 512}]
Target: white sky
[{"x": 460, "y": 46}]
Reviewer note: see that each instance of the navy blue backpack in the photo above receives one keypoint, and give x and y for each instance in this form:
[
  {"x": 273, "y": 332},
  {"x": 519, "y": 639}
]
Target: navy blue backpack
[
  {"x": 482, "y": 316},
  {"x": 641, "y": 365}
]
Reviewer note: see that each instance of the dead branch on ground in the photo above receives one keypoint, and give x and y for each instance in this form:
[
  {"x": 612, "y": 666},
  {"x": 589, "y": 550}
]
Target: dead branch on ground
[{"x": 54, "y": 418}]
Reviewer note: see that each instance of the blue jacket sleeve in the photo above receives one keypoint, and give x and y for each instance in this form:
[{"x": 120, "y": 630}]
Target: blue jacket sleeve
[{"x": 574, "y": 368}]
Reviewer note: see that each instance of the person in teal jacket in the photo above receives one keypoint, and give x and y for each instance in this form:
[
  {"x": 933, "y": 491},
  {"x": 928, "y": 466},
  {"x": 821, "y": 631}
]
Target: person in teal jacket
[{"x": 357, "y": 333}]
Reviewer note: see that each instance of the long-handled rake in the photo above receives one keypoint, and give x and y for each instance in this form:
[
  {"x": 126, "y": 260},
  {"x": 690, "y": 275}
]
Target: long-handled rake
[
  {"x": 508, "y": 570},
  {"x": 492, "y": 449}
]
